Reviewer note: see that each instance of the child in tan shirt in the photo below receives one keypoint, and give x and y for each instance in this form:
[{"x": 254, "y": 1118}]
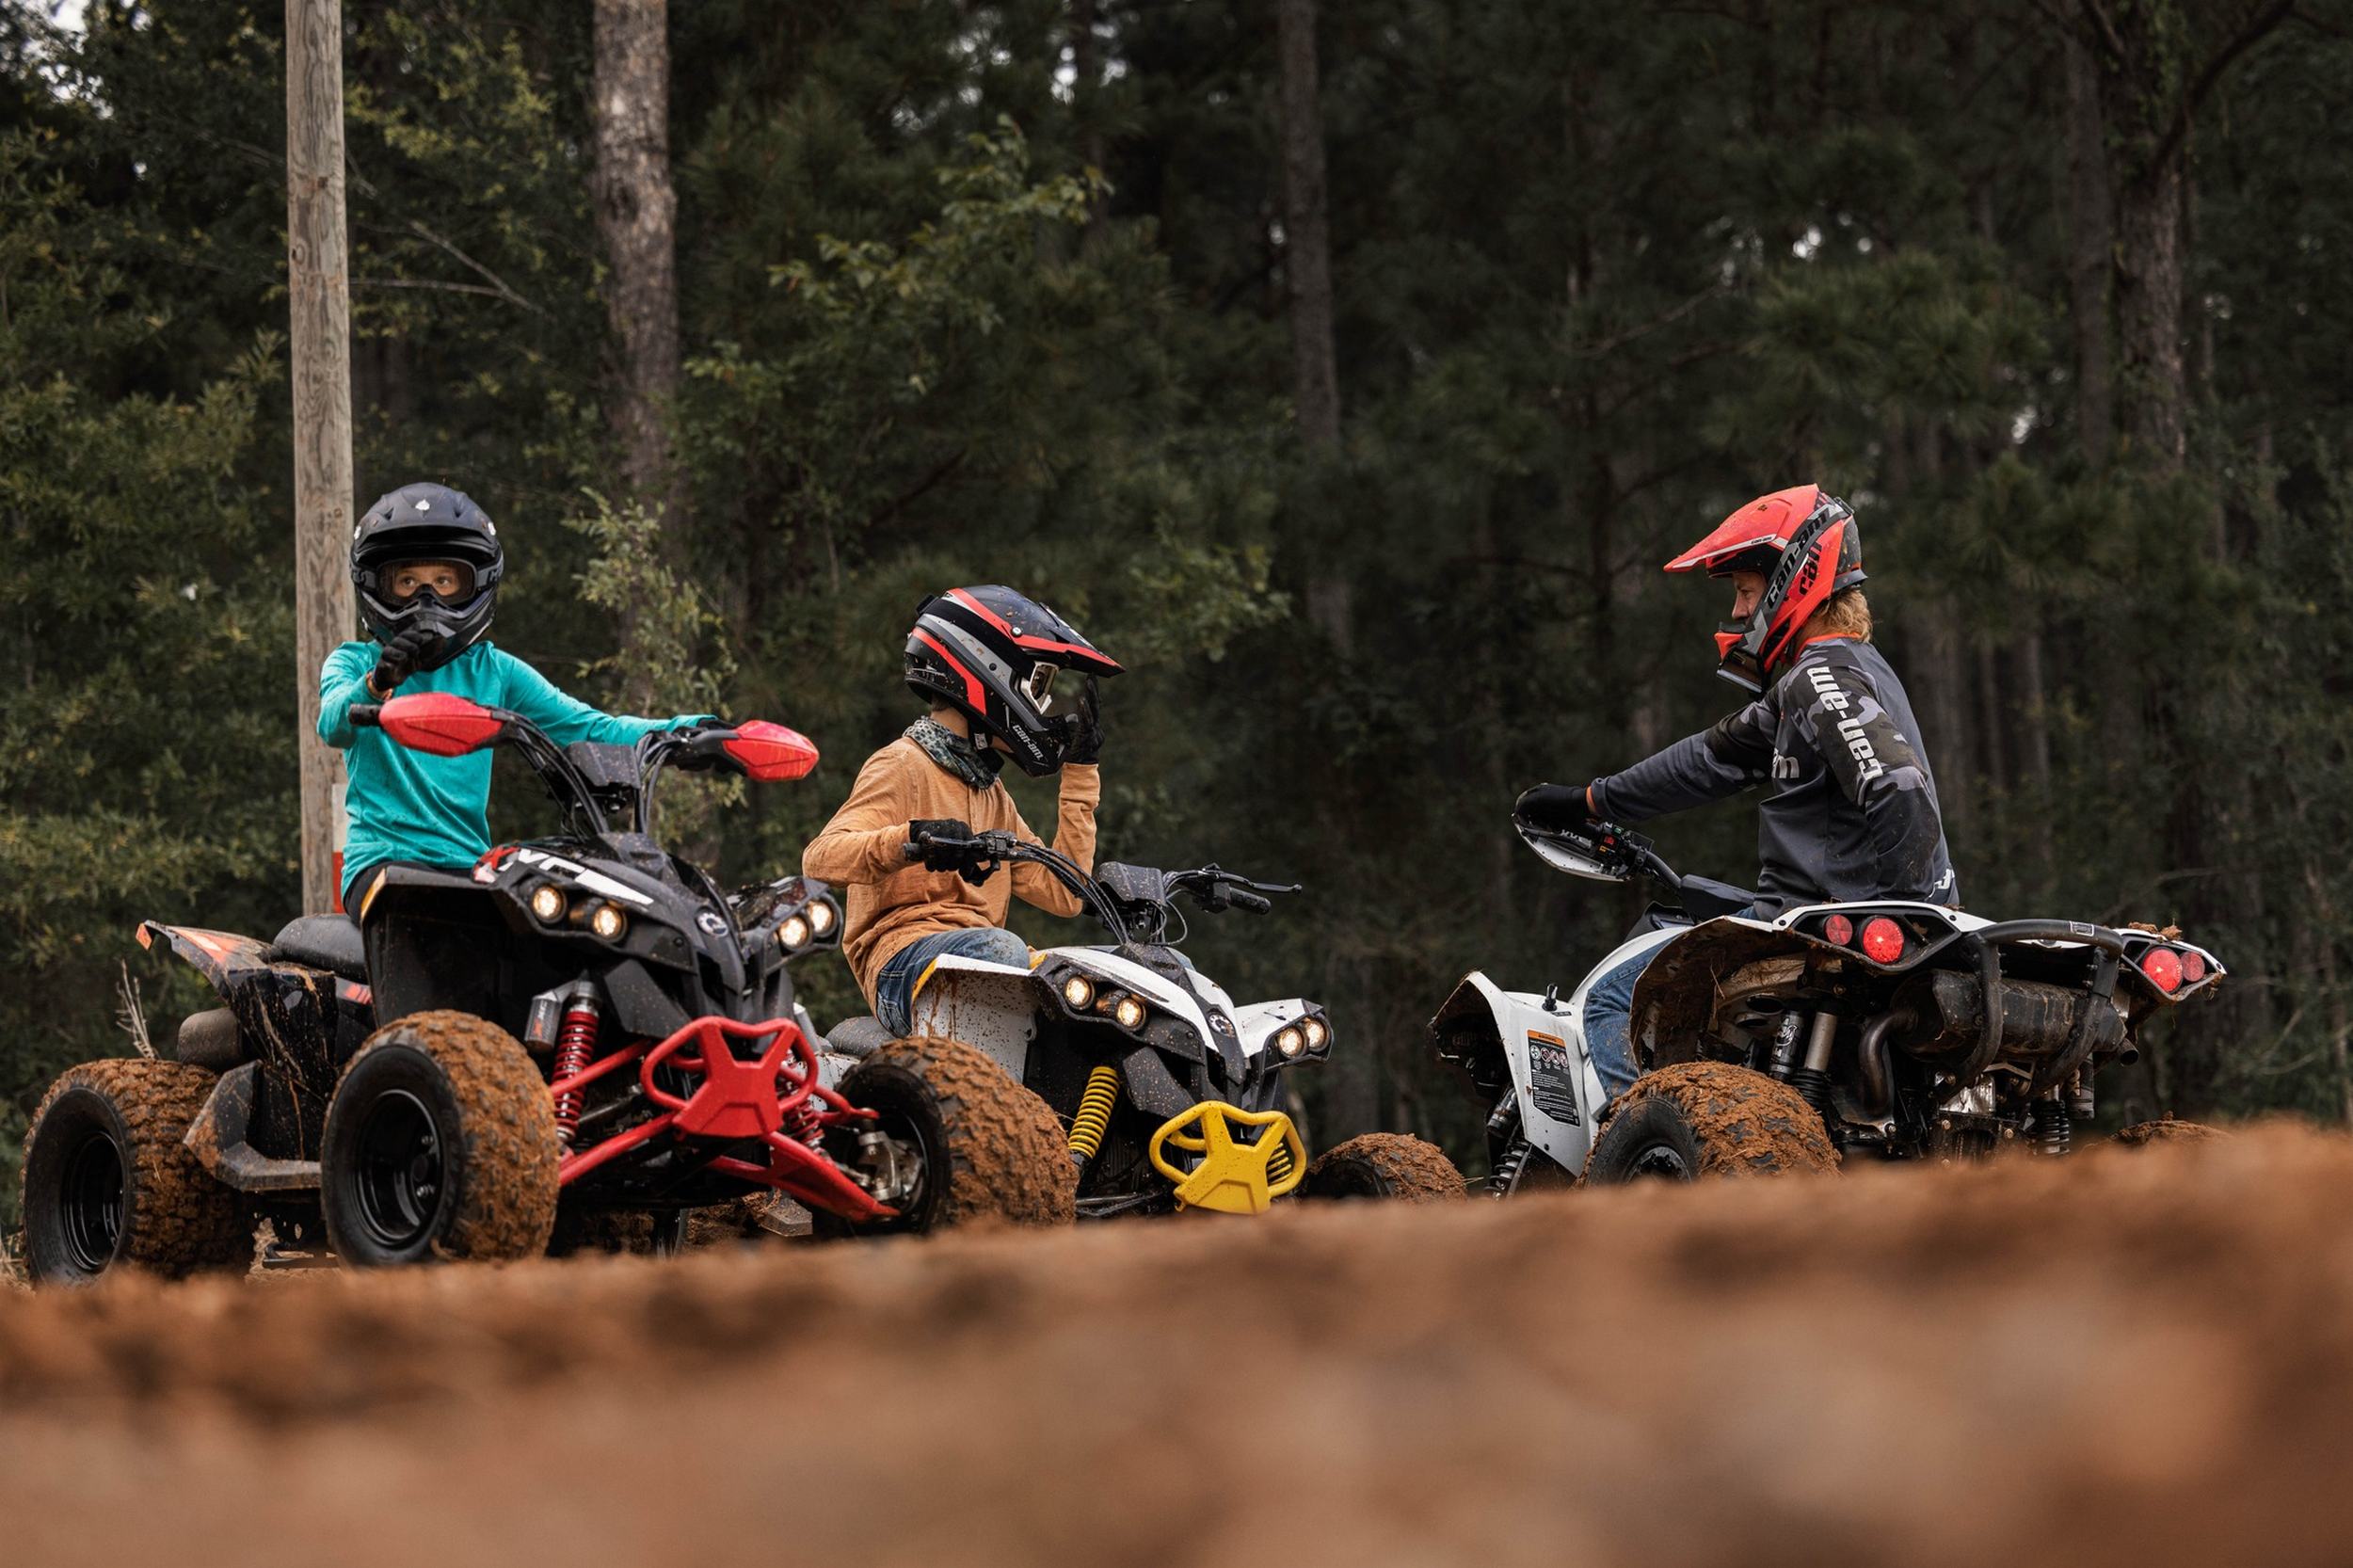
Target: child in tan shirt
[{"x": 1005, "y": 676}]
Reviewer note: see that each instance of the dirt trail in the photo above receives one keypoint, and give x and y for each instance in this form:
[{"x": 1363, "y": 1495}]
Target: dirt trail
[{"x": 2140, "y": 1356}]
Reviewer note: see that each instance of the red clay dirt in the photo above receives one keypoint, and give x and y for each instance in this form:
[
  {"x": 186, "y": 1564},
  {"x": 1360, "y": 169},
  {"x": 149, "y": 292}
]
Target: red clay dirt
[{"x": 2138, "y": 1356}]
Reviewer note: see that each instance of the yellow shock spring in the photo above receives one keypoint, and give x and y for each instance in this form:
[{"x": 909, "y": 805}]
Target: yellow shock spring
[
  {"x": 1094, "y": 1114},
  {"x": 1278, "y": 1164}
]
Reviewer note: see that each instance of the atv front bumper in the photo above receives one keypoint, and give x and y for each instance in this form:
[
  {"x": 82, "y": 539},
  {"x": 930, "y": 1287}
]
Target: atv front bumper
[{"x": 1228, "y": 1159}]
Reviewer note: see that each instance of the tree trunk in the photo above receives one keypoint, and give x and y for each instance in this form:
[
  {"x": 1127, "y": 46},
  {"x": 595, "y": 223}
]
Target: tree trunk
[
  {"x": 636, "y": 221},
  {"x": 1307, "y": 282},
  {"x": 2034, "y": 746},
  {"x": 2091, "y": 247},
  {"x": 2149, "y": 315},
  {"x": 318, "y": 289}
]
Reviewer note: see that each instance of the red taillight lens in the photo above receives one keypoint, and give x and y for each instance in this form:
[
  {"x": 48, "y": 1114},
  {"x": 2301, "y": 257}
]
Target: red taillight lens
[
  {"x": 441, "y": 723},
  {"x": 2163, "y": 967},
  {"x": 1839, "y": 929},
  {"x": 2193, "y": 966},
  {"x": 1883, "y": 939}
]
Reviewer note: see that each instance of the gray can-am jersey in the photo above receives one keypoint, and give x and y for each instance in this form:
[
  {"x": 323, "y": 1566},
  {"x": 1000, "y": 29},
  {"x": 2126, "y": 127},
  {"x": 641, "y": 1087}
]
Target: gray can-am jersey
[{"x": 1853, "y": 813}]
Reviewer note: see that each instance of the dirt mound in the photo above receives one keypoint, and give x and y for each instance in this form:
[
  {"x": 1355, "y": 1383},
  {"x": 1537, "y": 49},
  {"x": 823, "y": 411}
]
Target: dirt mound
[{"x": 2139, "y": 1356}]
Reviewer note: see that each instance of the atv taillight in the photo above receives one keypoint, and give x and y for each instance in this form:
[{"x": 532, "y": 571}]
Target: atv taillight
[
  {"x": 2193, "y": 966},
  {"x": 2163, "y": 967},
  {"x": 1883, "y": 939},
  {"x": 1839, "y": 929}
]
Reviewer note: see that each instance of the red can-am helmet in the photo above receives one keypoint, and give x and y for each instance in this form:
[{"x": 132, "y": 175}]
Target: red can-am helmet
[{"x": 1790, "y": 536}]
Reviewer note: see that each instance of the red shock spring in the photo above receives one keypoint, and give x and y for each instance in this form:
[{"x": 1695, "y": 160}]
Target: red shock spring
[{"x": 575, "y": 1046}]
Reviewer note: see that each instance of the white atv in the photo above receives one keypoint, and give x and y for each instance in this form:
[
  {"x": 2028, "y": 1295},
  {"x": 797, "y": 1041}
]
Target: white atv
[
  {"x": 1173, "y": 1096},
  {"x": 1886, "y": 1028}
]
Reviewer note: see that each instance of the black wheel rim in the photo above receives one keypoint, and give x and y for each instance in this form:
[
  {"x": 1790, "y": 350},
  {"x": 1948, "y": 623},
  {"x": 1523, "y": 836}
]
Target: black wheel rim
[
  {"x": 400, "y": 1172},
  {"x": 91, "y": 1200},
  {"x": 1351, "y": 1178},
  {"x": 1658, "y": 1161}
]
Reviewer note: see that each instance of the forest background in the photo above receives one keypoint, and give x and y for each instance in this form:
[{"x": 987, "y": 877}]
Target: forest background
[{"x": 1346, "y": 375}]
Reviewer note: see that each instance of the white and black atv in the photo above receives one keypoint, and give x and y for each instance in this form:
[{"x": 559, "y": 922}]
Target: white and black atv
[
  {"x": 1888, "y": 1029},
  {"x": 1173, "y": 1096}
]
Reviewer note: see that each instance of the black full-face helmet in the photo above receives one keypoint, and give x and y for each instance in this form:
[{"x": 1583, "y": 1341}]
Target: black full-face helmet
[
  {"x": 1012, "y": 667},
  {"x": 428, "y": 522}
]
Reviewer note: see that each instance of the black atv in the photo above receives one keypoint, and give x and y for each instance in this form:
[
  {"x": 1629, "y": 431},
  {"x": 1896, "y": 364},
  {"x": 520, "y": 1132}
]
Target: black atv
[{"x": 489, "y": 1061}]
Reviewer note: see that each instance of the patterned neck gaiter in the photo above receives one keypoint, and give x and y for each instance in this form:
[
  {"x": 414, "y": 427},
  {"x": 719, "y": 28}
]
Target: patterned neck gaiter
[{"x": 975, "y": 765}]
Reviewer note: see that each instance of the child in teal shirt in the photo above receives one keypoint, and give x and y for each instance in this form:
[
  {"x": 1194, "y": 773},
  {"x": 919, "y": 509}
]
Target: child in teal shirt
[{"x": 426, "y": 563}]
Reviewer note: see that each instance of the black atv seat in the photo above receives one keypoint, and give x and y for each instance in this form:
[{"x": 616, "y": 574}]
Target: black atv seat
[
  {"x": 329, "y": 942},
  {"x": 1705, "y": 898},
  {"x": 860, "y": 1036}
]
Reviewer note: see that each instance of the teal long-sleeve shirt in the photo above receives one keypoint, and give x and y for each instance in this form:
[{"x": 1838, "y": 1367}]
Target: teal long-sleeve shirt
[{"x": 404, "y": 805}]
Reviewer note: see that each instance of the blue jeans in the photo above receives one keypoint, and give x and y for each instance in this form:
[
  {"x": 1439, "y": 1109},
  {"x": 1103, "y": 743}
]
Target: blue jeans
[
  {"x": 1610, "y": 1018},
  {"x": 894, "y": 988}
]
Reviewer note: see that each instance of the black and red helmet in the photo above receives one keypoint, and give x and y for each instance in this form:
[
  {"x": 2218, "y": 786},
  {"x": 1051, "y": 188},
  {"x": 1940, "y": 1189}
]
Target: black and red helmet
[
  {"x": 1012, "y": 667},
  {"x": 1807, "y": 545},
  {"x": 428, "y": 522}
]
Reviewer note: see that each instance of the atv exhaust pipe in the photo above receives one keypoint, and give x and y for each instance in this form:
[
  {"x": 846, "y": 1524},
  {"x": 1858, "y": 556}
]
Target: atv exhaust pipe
[{"x": 1873, "y": 1063}]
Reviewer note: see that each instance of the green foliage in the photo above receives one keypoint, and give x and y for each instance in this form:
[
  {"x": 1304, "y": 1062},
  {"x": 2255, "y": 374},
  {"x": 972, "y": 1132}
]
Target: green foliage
[
  {"x": 143, "y": 623},
  {"x": 672, "y": 657}
]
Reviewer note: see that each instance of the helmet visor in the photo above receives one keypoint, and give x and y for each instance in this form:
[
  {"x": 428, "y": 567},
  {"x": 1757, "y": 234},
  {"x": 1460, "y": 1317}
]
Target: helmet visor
[{"x": 451, "y": 581}]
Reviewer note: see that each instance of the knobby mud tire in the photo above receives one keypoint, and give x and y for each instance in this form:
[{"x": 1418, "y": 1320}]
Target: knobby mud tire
[
  {"x": 174, "y": 1219},
  {"x": 995, "y": 1153},
  {"x": 1392, "y": 1165},
  {"x": 2167, "y": 1129},
  {"x": 1701, "y": 1119},
  {"x": 495, "y": 1127}
]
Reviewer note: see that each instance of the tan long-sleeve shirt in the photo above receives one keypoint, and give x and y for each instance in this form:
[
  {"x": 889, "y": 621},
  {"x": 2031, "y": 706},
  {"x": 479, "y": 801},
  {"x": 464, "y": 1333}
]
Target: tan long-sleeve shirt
[{"x": 893, "y": 901}]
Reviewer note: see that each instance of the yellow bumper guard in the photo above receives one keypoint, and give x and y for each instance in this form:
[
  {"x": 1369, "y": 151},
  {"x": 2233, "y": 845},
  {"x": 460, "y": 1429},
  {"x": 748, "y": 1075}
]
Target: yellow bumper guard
[{"x": 1231, "y": 1176}]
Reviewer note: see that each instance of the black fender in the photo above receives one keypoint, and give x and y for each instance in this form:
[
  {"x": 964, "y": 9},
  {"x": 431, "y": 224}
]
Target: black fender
[{"x": 299, "y": 1025}]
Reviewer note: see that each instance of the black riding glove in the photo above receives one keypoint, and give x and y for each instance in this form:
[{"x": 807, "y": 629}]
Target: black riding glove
[
  {"x": 1082, "y": 742},
  {"x": 1086, "y": 742},
  {"x": 937, "y": 856},
  {"x": 400, "y": 660},
  {"x": 1554, "y": 807}
]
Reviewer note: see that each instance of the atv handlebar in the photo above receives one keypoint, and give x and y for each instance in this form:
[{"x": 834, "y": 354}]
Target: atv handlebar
[
  {"x": 446, "y": 724},
  {"x": 1212, "y": 888}
]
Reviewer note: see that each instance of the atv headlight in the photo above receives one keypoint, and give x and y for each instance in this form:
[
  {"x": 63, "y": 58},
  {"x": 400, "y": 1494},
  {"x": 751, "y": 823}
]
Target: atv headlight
[
  {"x": 1079, "y": 991},
  {"x": 1317, "y": 1030},
  {"x": 794, "y": 933},
  {"x": 1129, "y": 1012},
  {"x": 608, "y": 922},
  {"x": 822, "y": 917},
  {"x": 1291, "y": 1040},
  {"x": 547, "y": 901}
]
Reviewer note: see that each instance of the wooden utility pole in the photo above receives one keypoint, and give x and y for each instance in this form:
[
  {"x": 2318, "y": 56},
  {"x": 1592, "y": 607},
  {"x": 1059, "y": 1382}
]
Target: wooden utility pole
[{"x": 319, "y": 289}]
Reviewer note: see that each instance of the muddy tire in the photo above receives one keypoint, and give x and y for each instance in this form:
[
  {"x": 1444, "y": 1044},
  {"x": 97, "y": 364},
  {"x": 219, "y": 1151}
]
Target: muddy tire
[
  {"x": 440, "y": 1144},
  {"x": 988, "y": 1150},
  {"x": 1383, "y": 1165},
  {"x": 110, "y": 1182},
  {"x": 1698, "y": 1119},
  {"x": 2167, "y": 1129}
]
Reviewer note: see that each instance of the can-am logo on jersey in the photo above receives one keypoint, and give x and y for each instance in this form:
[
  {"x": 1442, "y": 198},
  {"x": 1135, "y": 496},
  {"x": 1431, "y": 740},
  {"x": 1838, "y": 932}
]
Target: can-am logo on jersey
[{"x": 1866, "y": 760}]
